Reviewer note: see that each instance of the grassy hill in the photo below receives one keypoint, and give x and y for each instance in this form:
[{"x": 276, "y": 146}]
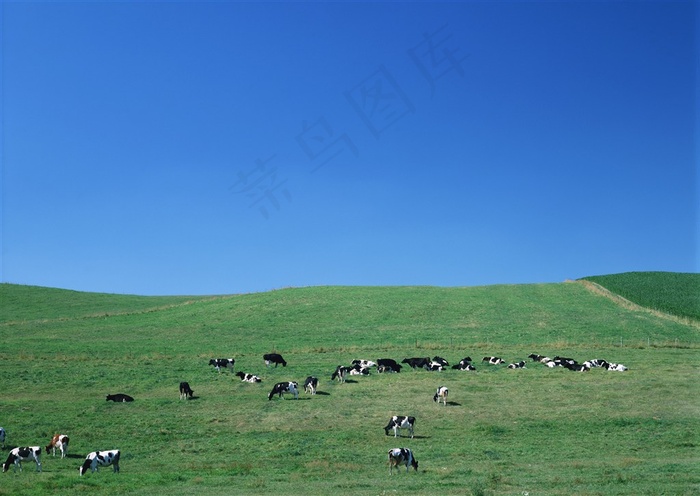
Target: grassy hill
[
  {"x": 670, "y": 292},
  {"x": 505, "y": 432}
]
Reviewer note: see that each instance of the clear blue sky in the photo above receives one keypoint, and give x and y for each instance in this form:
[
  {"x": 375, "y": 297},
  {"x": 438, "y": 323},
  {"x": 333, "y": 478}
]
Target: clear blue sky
[{"x": 208, "y": 148}]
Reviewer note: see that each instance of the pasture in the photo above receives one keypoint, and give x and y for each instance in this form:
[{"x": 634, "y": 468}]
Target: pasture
[{"x": 534, "y": 431}]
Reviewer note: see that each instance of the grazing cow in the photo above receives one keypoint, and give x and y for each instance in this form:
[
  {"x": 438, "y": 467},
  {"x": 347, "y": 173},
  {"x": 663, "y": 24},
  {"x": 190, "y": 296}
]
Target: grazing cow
[
  {"x": 441, "y": 361},
  {"x": 340, "y": 373},
  {"x": 364, "y": 363},
  {"x": 59, "y": 441},
  {"x": 284, "y": 387},
  {"x": 596, "y": 362},
  {"x": 3, "y": 435},
  {"x": 517, "y": 365},
  {"x": 416, "y": 362},
  {"x": 401, "y": 456},
  {"x": 119, "y": 398},
  {"x": 493, "y": 360},
  {"x": 185, "y": 390},
  {"x": 616, "y": 367},
  {"x": 248, "y": 377},
  {"x": 222, "y": 362},
  {"x": 400, "y": 422},
  {"x": 23, "y": 454},
  {"x": 310, "y": 385},
  {"x": 275, "y": 358},
  {"x": 98, "y": 459},
  {"x": 441, "y": 394}
]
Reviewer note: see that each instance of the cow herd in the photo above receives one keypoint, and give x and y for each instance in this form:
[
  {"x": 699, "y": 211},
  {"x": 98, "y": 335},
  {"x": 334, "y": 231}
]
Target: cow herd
[{"x": 396, "y": 456}]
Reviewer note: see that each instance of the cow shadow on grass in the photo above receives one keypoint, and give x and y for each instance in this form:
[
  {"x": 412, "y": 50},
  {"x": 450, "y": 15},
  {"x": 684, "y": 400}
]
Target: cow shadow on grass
[
  {"x": 323, "y": 393},
  {"x": 454, "y": 403}
]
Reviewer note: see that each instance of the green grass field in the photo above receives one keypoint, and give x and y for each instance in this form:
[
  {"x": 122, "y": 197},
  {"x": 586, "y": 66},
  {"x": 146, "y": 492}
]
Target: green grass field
[{"x": 535, "y": 431}]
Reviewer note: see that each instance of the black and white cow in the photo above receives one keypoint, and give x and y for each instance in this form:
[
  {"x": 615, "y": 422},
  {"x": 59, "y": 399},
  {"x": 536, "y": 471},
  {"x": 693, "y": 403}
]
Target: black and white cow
[
  {"x": 364, "y": 363},
  {"x": 517, "y": 365},
  {"x": 226, "y": 363},
  {"x": 310, "y": 385},
  {"x": 464, "y": 364},
  {"x": 185, "y": 390},
  {"x": 535, "y": 357},
  {"x": 3, "y": 436},
  {"x": 444, "y": 363},
  {"x": 577, "y": 367},
  {"x": 400, "y": 422},
  {"x": 563, "y": 361},
  {"x": 402, "y": 456},
  {"x": 493, "y": 360},
  {"x": 435, "y": 367},
  {"x": 98, "y": 459},
  {"x": 357, "y": 369},
  {"x": 59, "y": 441},
  {"x": 416, "y": 362},
  {"x": 595, "y": 363},
  {"x": 275, "y": 358},
  {"x": 119, "y": 398},
  {"x": 23, "y": 454},
  {"x": 284, "y": 387},
  {"x": 615, "y": 367},
  {"x": 340, "y": 373},
  {"x": 248, "y": 377},
  {"x": 441, "y": 394}
]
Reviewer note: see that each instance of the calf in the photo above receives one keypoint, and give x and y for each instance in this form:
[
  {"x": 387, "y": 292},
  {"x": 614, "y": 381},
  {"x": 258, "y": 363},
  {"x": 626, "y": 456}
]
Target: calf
[
  {"x": 275, "y": 358},
  {"x": 416, "y": 362},
  {"x": 185, "y": 390},
  {"x": 222, "y": 362},
  {"x": 119, "y": 398},
  {"x": 340, "y": 373},
  {"x": 248, "y": 377},
  {"x": 441, "y": 394},
  {"x": 284, "y": 387},
  {"x": 493, "y": 360},
  {"x": 517, "y": 365},
  {"x": 401, "y": 456},
  {"x": 19, "y": 455},
  {"x": 310, "y": 385},
  {"x": 3, "y": 435},
  {"x": 400, "y": 422},
  {"x": 98, "y": 459},
  {"x": 364, "y": 363},
  {"x": 59, "y": 441}
]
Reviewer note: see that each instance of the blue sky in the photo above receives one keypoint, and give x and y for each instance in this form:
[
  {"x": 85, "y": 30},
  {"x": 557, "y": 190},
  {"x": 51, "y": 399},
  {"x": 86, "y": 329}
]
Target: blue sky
[{"x": 227, "y": 147}]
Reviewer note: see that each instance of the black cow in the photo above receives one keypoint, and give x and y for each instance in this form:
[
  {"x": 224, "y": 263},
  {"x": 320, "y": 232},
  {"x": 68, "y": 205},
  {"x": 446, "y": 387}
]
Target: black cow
[
  {"x": 275, "y": 358},
  {"x": 388, "y": 362},
  {"x": 416, "y": 362},
  {"x": 185, "y": 390},
  {"x": 119, "y": 398}
]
